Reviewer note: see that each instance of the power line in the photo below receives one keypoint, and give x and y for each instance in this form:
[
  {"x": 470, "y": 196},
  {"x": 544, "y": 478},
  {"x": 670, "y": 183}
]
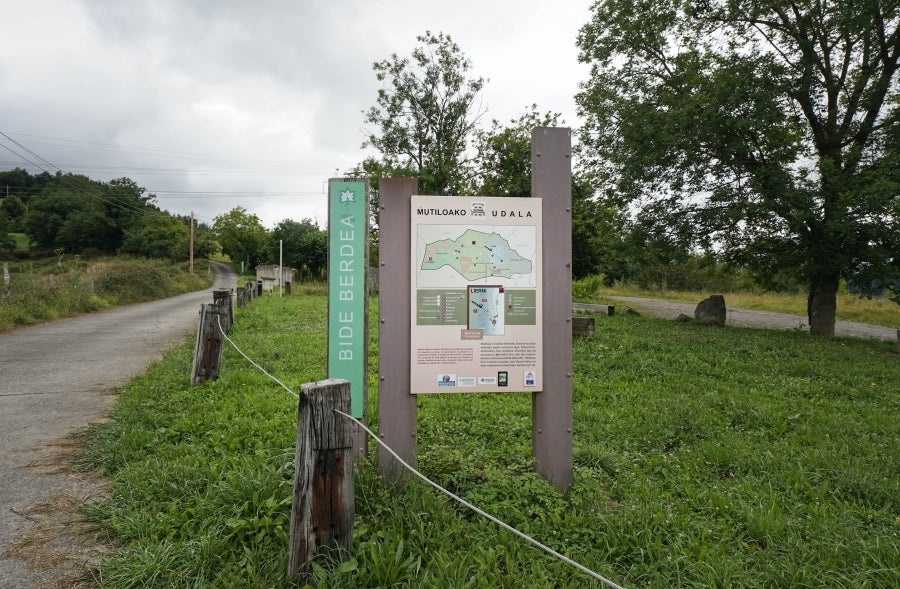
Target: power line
[
  {"x": 113, "y": 148},
  {"x": 87, "y": 189},
  {"x": 11, "y": 150},
  {"x": 26, "y": 149},
  {"x": 150, "y": 171}
]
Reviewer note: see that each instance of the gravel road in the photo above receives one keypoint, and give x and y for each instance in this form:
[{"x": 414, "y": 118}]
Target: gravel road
[
  {"x": 759, "y": 319},
  {"x": 55, "y": 379}
]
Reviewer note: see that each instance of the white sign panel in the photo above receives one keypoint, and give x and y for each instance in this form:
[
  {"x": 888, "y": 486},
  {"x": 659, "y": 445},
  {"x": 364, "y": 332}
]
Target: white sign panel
[{"x": 476, "y": 294}]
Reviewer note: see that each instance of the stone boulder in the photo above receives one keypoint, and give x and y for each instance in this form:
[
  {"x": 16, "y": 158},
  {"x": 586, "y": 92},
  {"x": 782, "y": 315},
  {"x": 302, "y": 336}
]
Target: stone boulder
[{"x": 711, "y": 310}]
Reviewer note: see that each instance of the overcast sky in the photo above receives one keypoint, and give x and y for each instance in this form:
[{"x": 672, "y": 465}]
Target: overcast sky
[{"x": 212, "y": 104}]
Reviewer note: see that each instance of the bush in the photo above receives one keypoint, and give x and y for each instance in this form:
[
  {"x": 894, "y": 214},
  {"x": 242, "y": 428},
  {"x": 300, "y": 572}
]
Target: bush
[
  {"x": 588, "y": 288},
  {"x": 52, "y": 287},
  {"x": 130, "y": 280}
]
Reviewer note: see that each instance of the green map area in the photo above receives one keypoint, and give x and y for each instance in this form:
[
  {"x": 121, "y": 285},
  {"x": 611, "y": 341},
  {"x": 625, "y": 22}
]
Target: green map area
[{"x": 476, "y": 255}]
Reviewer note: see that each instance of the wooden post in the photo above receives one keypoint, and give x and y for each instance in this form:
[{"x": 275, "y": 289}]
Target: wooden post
[
  {"x": 582, "y": 326},
  {"x": 223, "y": 299},
  {"x": 6, "y": 279},
  {"x": 208, "y": 347},
  {"x": 323, "y": 503},
  {"x": 191, "y": 254},
  {"x": 551, "y": 409},
  {"x": 396, "y": 404}
]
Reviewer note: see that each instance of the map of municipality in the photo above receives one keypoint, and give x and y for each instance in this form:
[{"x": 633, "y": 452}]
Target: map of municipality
[{"x": 478, "y": 255}]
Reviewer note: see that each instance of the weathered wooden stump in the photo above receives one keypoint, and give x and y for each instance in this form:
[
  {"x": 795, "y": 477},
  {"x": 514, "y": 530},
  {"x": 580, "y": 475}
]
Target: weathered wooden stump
[
  {"x": 208, "y": 347},
  {"x": 223, "y": 299},
  {"x": 323, "y": 503},
  {"x": 582, "y": 327}
]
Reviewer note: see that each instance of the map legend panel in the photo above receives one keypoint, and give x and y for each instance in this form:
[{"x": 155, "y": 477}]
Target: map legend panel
[{"x": 441, "y": 307}]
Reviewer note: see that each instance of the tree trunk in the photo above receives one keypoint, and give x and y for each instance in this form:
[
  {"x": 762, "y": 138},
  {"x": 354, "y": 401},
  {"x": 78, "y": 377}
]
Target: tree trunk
[{"x": 822, "y": 304}]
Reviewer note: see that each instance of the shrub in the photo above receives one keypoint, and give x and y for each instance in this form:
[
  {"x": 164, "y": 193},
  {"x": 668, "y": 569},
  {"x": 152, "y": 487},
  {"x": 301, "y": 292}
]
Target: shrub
[{"x": 131, "y": 280}]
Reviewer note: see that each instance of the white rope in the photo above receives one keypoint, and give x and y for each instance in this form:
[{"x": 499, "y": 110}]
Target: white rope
[
  {"x": 455, "y": 497},
  {"x": 482, "y": 513},
  {"x": 261, "y": 369}
]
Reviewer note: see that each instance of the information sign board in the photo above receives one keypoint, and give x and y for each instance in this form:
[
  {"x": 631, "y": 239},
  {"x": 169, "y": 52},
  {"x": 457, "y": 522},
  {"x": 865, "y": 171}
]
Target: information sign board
[
  {"x": 347, "y": 308},
  {"x": 476, "y": 299}
]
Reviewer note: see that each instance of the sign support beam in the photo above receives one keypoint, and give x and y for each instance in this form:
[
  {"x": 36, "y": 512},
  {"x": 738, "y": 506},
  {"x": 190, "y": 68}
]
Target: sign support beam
[
  {"x": 397, "y": 411},
  {"x": 551, "y": 180}
]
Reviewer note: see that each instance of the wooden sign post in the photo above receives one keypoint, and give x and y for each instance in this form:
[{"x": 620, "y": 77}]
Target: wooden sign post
[{"x": 552, "y": 430}]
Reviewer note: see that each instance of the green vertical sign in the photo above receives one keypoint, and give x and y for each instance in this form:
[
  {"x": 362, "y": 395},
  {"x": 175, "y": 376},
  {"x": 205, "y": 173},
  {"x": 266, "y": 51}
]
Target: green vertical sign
[{"x": 348, "y": 230}]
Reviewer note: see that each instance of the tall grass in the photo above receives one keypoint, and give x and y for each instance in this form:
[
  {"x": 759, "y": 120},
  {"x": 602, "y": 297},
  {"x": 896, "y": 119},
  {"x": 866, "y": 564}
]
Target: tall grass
[
  {"x": 703, "y": 458},
  {"x": 53, "y": 288}
]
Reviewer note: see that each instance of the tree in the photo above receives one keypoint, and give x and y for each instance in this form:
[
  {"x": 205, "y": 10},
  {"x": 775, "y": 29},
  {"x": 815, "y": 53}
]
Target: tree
[
  {"x": 304, "y": 246},
  {"x": 426, "y": 113},
  {"x": 504, "y": 169},
  {"x": 597, "y": 231},
  {"x": 75, "y": 213},
  {"x": 62, "y": 217},
  {"x": 158, "y": 236},
  {"x": 763, "y": 125},
  {"x": 241, "y": 235},
  {"x": 504, "y": 154},
  {"x": 22, "y": 184},
  {"x": 14, "y": 209},
  {"x": 6, "y": 240}
]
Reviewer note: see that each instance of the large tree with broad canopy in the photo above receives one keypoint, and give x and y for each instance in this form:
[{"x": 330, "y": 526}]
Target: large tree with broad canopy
[{"x": 767, "y": 127}]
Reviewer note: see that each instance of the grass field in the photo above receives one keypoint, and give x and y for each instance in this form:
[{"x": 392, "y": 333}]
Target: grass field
[{"x": 704, "y": 457}]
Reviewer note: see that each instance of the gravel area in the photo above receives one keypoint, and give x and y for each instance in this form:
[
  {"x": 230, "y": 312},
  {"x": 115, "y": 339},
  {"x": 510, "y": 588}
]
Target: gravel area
[{"x": 751, "y": 318}]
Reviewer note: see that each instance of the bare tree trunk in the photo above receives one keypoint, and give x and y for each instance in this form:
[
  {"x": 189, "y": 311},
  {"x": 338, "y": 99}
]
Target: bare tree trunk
[{"x": 822, "y": 304}]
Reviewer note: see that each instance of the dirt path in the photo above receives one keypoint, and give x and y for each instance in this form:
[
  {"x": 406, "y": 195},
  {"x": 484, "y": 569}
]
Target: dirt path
[
  {"x": 56, "y": 379},
  {"x": 759, "y": 319}
]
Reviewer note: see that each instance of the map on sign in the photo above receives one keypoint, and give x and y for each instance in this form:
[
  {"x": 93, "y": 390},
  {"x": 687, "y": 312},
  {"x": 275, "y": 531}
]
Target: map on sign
[
  {"x": 487, "y": 309},
  {"x": 455, "y": 255}
]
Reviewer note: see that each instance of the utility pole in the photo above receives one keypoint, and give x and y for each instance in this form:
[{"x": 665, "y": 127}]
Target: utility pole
[
  {"x": 191, "y": 255},
  {"x": 280, "y": 267}
]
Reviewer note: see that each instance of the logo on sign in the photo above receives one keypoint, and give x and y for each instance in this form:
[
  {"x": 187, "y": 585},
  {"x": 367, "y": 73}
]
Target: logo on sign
[{"x": 446, "y": 380}]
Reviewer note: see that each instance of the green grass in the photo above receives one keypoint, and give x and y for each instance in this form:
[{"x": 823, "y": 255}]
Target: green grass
[
  {"x": 704, "y": 457},
  {"x": 52, "y": 288},
  {"x": 21, "y": 240}
]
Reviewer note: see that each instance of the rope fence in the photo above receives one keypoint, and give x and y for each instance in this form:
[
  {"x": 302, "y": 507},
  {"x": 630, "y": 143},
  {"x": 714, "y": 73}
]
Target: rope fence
[{"x": 458, "y": 499}]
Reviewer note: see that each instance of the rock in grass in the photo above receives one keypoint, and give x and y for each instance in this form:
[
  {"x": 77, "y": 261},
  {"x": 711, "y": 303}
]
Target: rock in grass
[{"x": 711, "y": 310}]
